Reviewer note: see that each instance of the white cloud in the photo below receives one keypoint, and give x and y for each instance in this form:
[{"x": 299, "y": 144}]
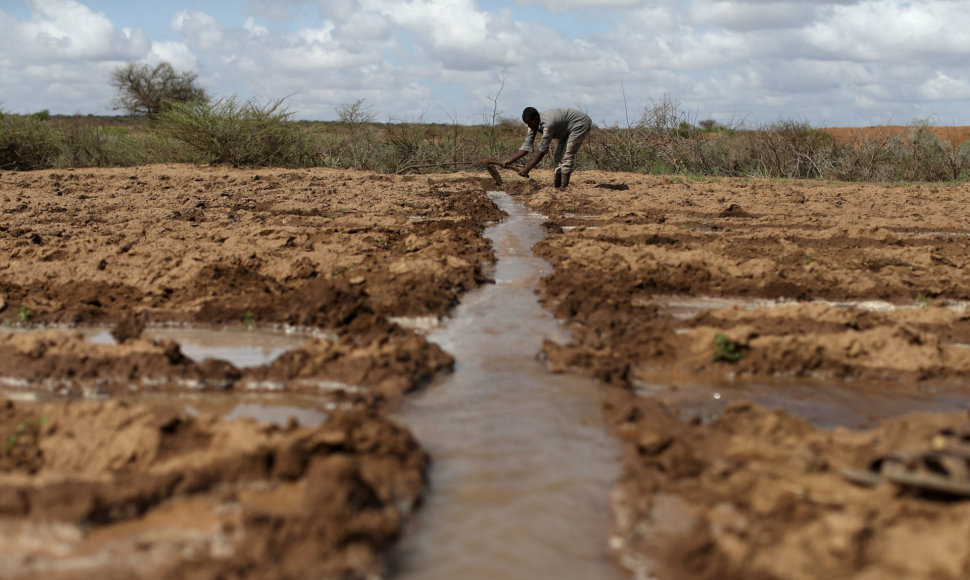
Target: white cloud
[
  {"x": 747, "y": 16},
  {"x": 565, "y": 5},
  {"x": 178, "y": 54},
  {"x": 275, "y": 9},
  {"x": 834, "y": 60},
  {"x": 342, "y": 9},
  {"x": 446, "y": 28},
  {"x": 364, "y": 26},
  {"x": 60, "y": 58},
  {"x": 66, "y": 31},
  {"x": 885, "y": 31},
  {"x": 942, "y": 86},
  {"x": 199, "y": 29},
  {"x": 315, "y": 49},
  {"x": 254, "y": 29}
]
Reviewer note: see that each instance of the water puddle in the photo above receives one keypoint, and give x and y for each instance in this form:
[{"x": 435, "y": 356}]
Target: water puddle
[
  {"x": 685, "y": 307},
  {"x": 522, "y": 462},
  {"x": 243, "y": 348},
  {"x": 826, "y": 406}
]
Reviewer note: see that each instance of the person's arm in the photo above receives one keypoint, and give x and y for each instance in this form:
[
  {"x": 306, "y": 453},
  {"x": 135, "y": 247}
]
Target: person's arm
[
  {"x": 535, "y": 161},
  {"x": 524, "y": 150},
  {"x": 518, "y": 155}
]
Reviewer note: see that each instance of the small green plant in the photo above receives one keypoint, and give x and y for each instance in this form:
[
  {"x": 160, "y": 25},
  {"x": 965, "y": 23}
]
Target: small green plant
[
  {"x": 343, "y": 269},
  {"x": 382, "y": 242},
  {"x": 726, "y": 349},
  {"x": 29, "y": 429},
  {"x": 24, "y": 315},
  {"x": 249, "y": 320},
  {"x": 922, "y": 300},
  {"x": 809, "y": 259},
  {"x": 687, "y": 227}
]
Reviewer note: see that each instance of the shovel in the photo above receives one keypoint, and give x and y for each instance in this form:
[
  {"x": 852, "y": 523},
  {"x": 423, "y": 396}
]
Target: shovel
[{"x": 492, "y": 168}]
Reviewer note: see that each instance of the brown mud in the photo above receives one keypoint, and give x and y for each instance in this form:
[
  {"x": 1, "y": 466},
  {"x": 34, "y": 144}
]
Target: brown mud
[
  {"x": 121, "y": 490},
  {"x": 140, "y": 486},
  {"x": 860, "y": 285}
]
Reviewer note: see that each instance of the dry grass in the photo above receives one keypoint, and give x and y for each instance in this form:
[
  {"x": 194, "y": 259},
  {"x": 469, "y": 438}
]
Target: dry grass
[{"x": 665, "y": 139}]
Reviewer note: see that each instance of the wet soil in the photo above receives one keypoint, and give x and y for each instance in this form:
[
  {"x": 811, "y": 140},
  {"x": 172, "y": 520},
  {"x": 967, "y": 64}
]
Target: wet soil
[
  {"x": 122, "y": 490},
  {"x": 343, "y": 252},
  {"x": 862, "y": 286},
  {"x": 115, "y": 473},
  {"x": 826, "y": 252},
  {"x": 523, "y": 465},
  {"x": 666, "y": 282}
]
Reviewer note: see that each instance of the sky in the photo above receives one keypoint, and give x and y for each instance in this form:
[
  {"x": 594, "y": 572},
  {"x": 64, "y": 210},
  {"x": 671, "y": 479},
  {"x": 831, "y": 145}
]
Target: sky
[{"x": 828, "y": 63}]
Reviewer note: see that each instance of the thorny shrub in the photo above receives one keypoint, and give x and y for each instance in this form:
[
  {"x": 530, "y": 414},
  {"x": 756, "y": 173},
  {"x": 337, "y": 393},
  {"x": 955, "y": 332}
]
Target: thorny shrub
[
  {"x": 665, "y": 139},
  {"x": 229, "y": 132},
  {"x": 27, "y": 142}
]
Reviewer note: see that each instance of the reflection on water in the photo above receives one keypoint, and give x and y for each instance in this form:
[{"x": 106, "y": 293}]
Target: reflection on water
[
  {"x": 522, "y": 463},
  {"x": 858, "y": 406},
  {"x": 684, "y": 307},
  {"x": 241, "y": 347},
  {"x": 277, "y": 414}
]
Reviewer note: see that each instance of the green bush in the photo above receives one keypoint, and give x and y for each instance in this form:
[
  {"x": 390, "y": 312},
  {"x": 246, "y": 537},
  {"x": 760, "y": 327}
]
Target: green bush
[
  {"x": 927, "y": 158},
  {"x": 92, "y": 146},
  {"x": 27, "y": 142},
  {"x": 792, "y": 149},
  {"x": 228, "y": 132}
]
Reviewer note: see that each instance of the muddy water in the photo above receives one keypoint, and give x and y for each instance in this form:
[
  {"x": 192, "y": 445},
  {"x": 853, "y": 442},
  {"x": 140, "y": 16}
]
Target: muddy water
[
  {"x": 522, "y": 463},
  {"x": 242, "y": 347},
  {"x": 858, "y": 406}
]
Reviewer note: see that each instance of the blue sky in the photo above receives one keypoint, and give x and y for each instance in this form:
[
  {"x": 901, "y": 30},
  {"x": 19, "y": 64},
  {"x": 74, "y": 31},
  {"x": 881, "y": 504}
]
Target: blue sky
[{"x": 826, "y": 62}]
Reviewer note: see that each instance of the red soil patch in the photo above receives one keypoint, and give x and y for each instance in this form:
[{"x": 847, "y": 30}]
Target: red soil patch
[{"x": 957, "y": 136}]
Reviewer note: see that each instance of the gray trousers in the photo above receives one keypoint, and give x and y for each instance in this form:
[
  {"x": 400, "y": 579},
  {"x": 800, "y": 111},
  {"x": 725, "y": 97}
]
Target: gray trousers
[{"x": 566, "y": 148}]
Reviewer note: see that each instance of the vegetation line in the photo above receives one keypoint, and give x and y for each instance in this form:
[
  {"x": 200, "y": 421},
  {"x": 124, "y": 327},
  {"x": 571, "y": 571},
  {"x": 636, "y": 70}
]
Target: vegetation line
[{"x": 173, "y": 121}]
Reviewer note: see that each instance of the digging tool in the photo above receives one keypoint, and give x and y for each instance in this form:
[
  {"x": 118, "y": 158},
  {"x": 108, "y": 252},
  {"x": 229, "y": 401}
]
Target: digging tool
[{"x": 492, "y": 168}]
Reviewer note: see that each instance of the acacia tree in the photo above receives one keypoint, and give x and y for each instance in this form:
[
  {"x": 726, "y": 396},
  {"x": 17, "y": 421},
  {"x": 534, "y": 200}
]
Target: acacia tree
[
  {"x": 356, "y": 113},
  {"x": 144, "y": 90}
]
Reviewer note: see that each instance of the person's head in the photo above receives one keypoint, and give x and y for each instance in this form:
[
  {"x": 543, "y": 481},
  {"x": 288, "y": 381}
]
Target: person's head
[{"x": 530, "y": 116}]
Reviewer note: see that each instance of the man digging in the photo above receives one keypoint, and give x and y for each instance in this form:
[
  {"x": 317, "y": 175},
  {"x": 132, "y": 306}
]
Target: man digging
[{"x": 568, "y": 126}]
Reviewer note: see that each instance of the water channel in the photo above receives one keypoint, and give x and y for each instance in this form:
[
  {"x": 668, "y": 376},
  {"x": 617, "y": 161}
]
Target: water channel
[{"x": 522, "y": 463}]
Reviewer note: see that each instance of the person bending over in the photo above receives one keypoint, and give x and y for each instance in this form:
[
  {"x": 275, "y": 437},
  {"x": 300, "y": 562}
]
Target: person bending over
[{"x": 568, "y": 126}]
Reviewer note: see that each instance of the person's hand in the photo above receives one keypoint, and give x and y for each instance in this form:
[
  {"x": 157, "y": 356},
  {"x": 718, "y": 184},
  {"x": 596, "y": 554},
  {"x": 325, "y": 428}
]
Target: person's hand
[{"x": 524, "y": 173}]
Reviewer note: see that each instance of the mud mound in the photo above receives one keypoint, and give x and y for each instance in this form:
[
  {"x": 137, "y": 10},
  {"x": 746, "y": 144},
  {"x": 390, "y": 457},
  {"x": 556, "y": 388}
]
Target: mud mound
[
  {"x": 384, "y": 361},
  {"x": 391, "y": 364},
  {"x": 206, "y": 245},
  {"x": 614, "y": 253},
  {"x": 63, "y": 362},
  {"x": 626, "y": 343},
  {"x": 118, "y": 490},
  {"x": 759, "y": 494}
]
